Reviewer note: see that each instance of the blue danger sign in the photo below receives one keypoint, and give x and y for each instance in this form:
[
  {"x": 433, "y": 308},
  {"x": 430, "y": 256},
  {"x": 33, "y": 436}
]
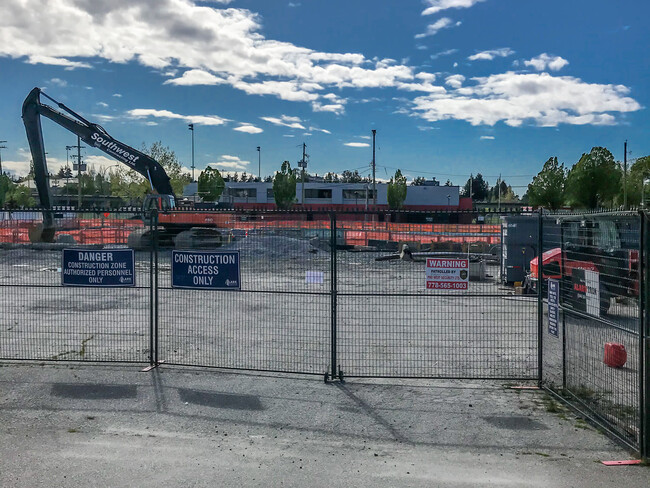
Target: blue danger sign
[
  {"x": 206, "y": 270},
  {"x": 98, "y": 267}
]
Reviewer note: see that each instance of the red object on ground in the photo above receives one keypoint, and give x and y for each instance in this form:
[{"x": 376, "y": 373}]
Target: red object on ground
[
  {"x": 622, "y": 463},
  {"x": 615, "y": 355}
]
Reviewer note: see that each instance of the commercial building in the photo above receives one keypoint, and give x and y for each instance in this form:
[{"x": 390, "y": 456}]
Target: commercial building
[{"x": 338, "y": 196}]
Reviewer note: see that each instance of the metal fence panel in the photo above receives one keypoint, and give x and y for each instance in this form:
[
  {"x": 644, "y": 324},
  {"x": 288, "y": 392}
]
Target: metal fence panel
[
  {"x": 390, "y": 324},
  {"x": 596, "y": 360},
  {"x": 279, "y": 321},
  {"x": 42, "y": 320}
]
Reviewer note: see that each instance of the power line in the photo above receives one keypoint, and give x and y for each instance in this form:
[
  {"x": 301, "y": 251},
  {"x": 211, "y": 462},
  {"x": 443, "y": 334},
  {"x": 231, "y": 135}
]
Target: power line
[{"x": 450, "y": 174}]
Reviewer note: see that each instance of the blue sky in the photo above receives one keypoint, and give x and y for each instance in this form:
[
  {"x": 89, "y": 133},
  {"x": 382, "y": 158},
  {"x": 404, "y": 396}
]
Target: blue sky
[{"x": 452, "y": 87}]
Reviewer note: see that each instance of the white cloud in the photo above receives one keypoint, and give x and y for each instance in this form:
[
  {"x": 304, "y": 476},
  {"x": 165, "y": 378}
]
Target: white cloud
[
  {"x": 102, "y": 104},
  {"x": 487, "y": 138},
  {"x": 491, "y": 54},
  {"x": 455, "y": 81},
  {"x": 544, "y": 61},
  {"x": 337, "y": 108},
  {"x": 69, "y": 65},
  {"x": 103, "y": 118},
  {"x": 230, "y": 163},
  {"x": 324, "y": 131},
  {"x": 448, "y": 52},
  {"x": 206, "y": 44},
  {"x": 249, "y": 129},
  {"x": 285, "y": 121},
  {"x": 537, "y": 98},
  {"x": 438, "y": 25},
  {"x": 357, "y": 144},
  {"x": 436, "y": 6},
  {"x": 58, "y": 82},
  {"x": 117, "y": 95},
  {"x": 141, "y": 113},
  {"x": 195, "y": 77}
]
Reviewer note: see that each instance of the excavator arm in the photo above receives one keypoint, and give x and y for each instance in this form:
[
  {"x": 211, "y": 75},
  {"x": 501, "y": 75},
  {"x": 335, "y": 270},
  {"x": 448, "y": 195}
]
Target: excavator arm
[{"x": 93, "y": 135}]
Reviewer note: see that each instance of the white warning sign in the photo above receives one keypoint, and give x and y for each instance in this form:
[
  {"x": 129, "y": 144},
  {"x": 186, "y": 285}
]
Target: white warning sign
[{"x": 447, "y": 274}]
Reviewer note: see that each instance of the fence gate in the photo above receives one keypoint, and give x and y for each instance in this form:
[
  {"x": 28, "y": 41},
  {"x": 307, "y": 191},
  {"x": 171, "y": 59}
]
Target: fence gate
[{"x": 593, "y": 345}]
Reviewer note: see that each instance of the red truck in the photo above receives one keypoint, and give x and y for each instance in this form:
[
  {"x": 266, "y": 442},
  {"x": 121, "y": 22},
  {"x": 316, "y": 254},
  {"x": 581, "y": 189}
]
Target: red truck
[{"x": 607, "y": 248}]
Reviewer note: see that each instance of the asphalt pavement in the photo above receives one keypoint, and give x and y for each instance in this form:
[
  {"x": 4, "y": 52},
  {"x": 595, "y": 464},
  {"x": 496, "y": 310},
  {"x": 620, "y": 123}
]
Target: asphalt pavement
[{"x": 69, "y": 425}]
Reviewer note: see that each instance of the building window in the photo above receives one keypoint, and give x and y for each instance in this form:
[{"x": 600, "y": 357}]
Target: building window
[
  {"x": 243, "y": 192},
  {"x": 357, "y": 194},
  {"x": 318, "y": 193},
  {"x": 269, "y": 194}
]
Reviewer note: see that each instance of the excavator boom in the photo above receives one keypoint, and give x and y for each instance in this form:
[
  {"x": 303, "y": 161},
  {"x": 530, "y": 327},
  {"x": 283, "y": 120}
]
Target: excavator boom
[{"x": 93, "y": 135}]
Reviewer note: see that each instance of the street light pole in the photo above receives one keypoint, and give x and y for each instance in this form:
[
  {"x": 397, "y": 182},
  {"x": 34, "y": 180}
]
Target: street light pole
[
  {"x": 1, "y": 147},
  {"x": 374, "y": 183},
  {"x": 259, "y": 162},
  {"x": 191, "y": 127},
  {"x": 625, "y": 175}
]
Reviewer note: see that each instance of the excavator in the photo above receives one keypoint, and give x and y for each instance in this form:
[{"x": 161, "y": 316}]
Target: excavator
[{"x": 193, "y": 230}]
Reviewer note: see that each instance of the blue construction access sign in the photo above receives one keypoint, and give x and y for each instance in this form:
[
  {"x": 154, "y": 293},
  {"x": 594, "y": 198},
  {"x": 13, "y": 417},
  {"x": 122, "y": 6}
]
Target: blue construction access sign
[
  {"x": 206, "y": 270},
  {"x": 98, "y": 267}
]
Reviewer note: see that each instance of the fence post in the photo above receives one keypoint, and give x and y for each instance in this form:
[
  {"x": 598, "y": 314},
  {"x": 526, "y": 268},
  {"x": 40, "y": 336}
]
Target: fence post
[
  {"x": 151, "y": 288},
  {"x": 156, "y": 287},
  {"x": 561, "y": 300},
  {"x": 644, "y": 339},
  {"x": 333, "y": 291},
  {"x": 540, "y": 300}
]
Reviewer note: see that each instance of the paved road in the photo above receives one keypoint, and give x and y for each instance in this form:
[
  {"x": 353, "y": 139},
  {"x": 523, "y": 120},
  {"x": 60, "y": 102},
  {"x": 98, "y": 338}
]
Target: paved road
[{"x": 94, "y": 425}]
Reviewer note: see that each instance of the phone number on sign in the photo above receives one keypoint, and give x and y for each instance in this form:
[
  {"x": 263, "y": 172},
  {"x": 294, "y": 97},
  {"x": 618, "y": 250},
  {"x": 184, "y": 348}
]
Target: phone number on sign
[{"x": 435, "y": 285}]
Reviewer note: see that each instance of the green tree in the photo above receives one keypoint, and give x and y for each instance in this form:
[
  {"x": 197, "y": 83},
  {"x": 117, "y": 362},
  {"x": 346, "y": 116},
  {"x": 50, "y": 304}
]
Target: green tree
[
  {"x": 594, "y": 180},
  {"x": 284, "y": 186},
  {"x": 6, "y": 187},
  {"x": 418, "y": 181},
  {"x": 331, "y": 178},
  {"x": 639, "y": 171},
  {"x": 210, "y": 185},
  {"x": 396, "y": 191},
  {"x": 20, "y": 196},
  {"x": 167, "y": 158},
  {"x": 129, "y": 185},
  {"x": 548, "y": 187},
  {"x": 479, "y": 190},
  {"x": 351, "y": 177}
]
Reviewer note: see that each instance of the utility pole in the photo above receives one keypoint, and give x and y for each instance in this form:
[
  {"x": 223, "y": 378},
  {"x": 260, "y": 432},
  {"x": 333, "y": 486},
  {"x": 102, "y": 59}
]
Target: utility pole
[
  {"x": 625, "y": 175},
  {"x": 499, "y": 189},
  {"x": 191, "y": 127},
  {"x": 303, "y": 164},
  {"x": 471, "y": 185},
  {"x": 1, "y": 147},
  {"x": 67, "y": 174},
  {"x": 259, "y": 162},
  {"x": 374, "y": 183},
  {"x": 79, "y": 168}
]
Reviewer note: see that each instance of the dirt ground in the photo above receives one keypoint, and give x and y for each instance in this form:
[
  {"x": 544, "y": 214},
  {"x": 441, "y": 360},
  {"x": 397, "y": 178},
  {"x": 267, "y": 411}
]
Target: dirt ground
[{"x": 112, "y": 425}]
